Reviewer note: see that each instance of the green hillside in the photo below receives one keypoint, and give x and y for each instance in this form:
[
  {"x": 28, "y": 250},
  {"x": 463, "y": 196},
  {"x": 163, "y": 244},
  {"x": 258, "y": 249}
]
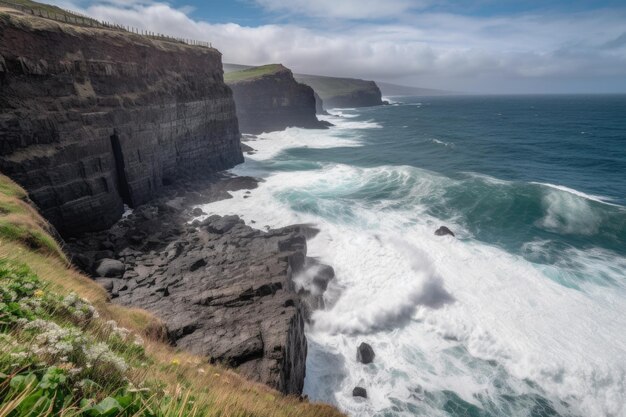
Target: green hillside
[
  {"x": 252, "y": 73},
  {"x": 328, "y": 87}
]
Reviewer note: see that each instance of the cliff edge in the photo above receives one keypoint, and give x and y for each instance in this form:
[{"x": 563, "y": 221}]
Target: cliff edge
[
  {"x": 92, "y": 119},
  {"x": 343, "y": 92},
  {"x": 268, "y": 98}
]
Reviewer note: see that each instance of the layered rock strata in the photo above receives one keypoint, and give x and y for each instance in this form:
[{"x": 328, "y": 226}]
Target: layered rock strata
[
  {"x": 92, "y": 119},
  {"x": 224, "y": 290},
  {"x": 343, "y": 92},
  {"x": 274, "y": 101}
]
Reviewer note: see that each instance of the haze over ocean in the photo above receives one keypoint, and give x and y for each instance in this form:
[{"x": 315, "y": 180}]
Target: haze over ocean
[{"x": 522, "y": 314}]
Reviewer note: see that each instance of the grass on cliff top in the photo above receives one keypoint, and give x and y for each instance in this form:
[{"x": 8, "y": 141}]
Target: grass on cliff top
[
  {"x": 327, "y": 87},
  {"x": 252, "y": 73},
  {"x": 57, "y": 11},
  {"x": 66, "y": 350}
]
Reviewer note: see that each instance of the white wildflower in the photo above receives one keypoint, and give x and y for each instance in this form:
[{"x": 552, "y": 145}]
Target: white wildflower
[
  {"x": 120, "y": 332},
  {"x": 138, "y": 340},
  {"x": 75, "y": 371},
  {"x": 100, "y": 353}
]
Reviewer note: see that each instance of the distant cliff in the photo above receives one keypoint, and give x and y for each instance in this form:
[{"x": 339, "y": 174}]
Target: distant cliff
[
  {"x": 268, "y": 98},
  {"x": 343, "y": 92},
  {"x": 94, "y": 118}
]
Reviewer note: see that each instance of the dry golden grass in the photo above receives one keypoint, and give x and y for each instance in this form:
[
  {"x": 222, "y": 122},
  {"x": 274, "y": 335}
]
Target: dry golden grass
[{"x": 215, "y": 391}]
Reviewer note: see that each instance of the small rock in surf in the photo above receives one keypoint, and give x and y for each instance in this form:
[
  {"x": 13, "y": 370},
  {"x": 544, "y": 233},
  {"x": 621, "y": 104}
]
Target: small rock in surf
[
  {"x": 443, "y": 230},
  {"x": 359, "y": 392},
  {"x": 365, "y": 354}
]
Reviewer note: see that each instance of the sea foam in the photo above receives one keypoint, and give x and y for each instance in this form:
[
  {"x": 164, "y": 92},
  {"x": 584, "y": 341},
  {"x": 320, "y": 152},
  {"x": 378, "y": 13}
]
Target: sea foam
[{"x": 444, "y": 315}]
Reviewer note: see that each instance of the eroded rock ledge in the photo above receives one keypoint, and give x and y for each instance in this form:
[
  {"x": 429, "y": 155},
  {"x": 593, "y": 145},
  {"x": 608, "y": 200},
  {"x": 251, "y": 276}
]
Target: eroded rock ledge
[{"x": 224, "y": 289}]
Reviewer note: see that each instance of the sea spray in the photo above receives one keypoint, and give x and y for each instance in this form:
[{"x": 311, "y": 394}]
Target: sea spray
[{"x": 523, "y": 314}]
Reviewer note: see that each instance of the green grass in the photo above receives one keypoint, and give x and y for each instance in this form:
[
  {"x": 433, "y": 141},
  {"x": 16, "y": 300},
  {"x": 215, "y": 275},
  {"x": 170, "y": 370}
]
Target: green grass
[
  {"x": 10, "y": 189},
  {"x": 252, "y": 73},
  {"x": 328, "y": 87},
  {"x": 33, "y": 238},
  {"x": 52, "y": 10},
  {"x": 20, "y": 222},
  {"x": 65, "y": 350}
]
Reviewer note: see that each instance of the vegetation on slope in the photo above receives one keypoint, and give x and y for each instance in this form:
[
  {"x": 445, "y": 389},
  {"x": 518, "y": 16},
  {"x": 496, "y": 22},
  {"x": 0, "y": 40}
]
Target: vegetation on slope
[
  {"x": 47, "y": 9},
  {"x": 65, "y": 350},
  {"x": 252, "y": 73},
  {"x": 328, "y": 87}
]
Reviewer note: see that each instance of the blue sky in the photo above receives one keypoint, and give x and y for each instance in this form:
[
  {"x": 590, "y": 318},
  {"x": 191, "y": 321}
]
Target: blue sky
[{"x": 485, "y": 46}]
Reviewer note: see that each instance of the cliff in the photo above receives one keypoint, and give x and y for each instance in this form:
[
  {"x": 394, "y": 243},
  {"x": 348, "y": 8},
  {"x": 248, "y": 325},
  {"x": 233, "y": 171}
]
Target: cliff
[
  {"x": 131, "y": 372},
  {"x": 268, "y": 98},
  {"x": 343, "y": 92},
  {"x": 223, "y": 289},
  {"x": 95, "y": 118}
]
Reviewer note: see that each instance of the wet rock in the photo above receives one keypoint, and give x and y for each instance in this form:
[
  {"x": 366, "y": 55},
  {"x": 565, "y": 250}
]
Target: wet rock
[
  {"x": 443, "y": 231},
  {"x": 223, "y": 290},
  {"x": 365, "y": 354},
  {"x": 107, "y": 245},
  {"x": 221, "y": 225},
  {"x": 104, "y": 254},
  {"x": 110, "y": 268},
  {"x": 323, "y": 275},
  {"x": 197, "y": 212},
  {"x": 359, "y": 392},
  {"x": 82, "y": 261}
]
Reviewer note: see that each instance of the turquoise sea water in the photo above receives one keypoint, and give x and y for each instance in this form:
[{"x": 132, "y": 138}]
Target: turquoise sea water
[{"x": 522, "y": 314}]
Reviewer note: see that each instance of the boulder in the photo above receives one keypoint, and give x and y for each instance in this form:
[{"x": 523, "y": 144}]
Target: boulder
[
  {"x": 83, "y": 261},
  {"x": 110, "y": 268},
  {"x": 221, "y": 225},
  {"x": 359, "y": 392},
  {"x": 197, "y": 212},
  {"x": 365, "y": 354},
  {"x": 443, "y": 230},
  {"x": 323, "y": 276}
]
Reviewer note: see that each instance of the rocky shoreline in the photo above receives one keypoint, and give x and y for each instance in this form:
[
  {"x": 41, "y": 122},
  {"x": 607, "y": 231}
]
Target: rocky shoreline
[{"x": 224, "y": 289}]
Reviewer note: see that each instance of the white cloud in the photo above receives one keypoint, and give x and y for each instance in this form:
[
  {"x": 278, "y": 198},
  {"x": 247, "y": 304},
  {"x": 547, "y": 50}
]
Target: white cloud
[
  {"x": 344, "y": 9},
  {"x": 528, "y": 53}
]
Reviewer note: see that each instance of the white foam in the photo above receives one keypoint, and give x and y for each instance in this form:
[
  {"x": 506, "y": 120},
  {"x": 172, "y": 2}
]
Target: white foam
[
  {"x": 568, "y": 213},
  {"x": 391, "y": 100},
  {"x": 433, "y": 308},
  {"x": 597, "y": 198},
  {"x": 440, "y": 142}
]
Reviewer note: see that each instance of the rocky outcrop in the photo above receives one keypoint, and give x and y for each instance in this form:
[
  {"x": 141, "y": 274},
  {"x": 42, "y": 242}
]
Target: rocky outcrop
[
  {"x": 365, "y": 354},
  {"x": 359, "y": 392},
  {"x": 343, "y": 92},
  {"x": 319, "y": 105},
  {"x": 444, "y": 231},
  {"x": 270, "y": 100},
  {"x": 224, "y": 290},
  {"x": 93, "y": 118}
]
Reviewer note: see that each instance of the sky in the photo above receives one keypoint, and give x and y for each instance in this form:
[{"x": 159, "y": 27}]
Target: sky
[{"x": 476, "y": 46}]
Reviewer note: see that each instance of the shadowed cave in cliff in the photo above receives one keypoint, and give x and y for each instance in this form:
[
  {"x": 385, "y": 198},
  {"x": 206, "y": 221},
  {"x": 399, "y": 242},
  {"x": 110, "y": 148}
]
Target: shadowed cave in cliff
[{"x": 122, "y": 181}]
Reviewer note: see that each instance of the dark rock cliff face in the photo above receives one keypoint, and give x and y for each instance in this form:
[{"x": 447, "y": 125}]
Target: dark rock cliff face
[
  {"x": 223, "y": 289},
  {"x": 366, "y": 97},
  {"x": 274, "y": 102},
  {"x": 319, "y": 105},
  {"x": 91, "y": 119},
  {"x": 343, "y": 92}
]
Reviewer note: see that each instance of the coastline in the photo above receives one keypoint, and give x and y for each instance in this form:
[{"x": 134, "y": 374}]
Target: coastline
[{"x": 224, "y": 290}]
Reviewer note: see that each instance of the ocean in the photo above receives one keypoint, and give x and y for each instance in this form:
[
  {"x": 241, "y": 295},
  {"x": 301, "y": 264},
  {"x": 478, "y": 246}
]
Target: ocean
[{"x": 523, "y": 313}]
